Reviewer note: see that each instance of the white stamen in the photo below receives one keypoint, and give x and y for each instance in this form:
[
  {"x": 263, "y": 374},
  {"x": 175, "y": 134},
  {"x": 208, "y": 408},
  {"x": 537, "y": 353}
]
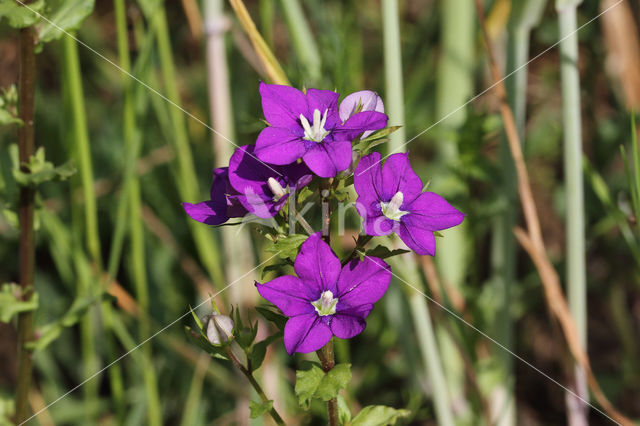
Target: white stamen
[
  {"x": 392, "y": 209},
  {"x": 277, "y": 189},
  {"x": 315, "y": 131},
  {"x": 326, "y": 304}
]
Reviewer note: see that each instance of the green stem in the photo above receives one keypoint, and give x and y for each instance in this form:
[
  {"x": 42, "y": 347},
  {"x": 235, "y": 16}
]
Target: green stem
[
  {"x": 80, "y": 146},
  {"x": 26, "y": 147},
  {"x": 394, "y": 91},
  {"x": 136, "y": 230},
  {"x": 572, "y": 123},
  {"x": 524, "y": 16},
  {"x": 327, "y": 360},
  {"x": 187, "y": 181},
  {"x": 274, "y": 414},
  {"x": 303, "y": 41}
]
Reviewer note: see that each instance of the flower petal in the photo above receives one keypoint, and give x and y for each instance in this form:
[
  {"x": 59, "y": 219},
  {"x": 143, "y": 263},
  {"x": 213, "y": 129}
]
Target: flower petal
[
  {"x": 359, "y": 123},
  {"x": 282, "y": 105},
  {"x": 367, "y": 179},
  {"x": 326, "y": 159},
  {"x": 418, "y": 239},
  {"x": 317, "y": 265},
  {"x": 277, "y": 145},
  {"x": 369, "y": 100},
  {"x": 430, "y": 211},
  {"x": 209, "y": 212},
  {"x": 290, "y": 294},
  {"x": 324, "y": 100},
  {"x": 398, "y": 176},
  {"x": 362, "y": 282},
  {"x": 305, "y": 333},
  {"x": 348, "y": 324}
]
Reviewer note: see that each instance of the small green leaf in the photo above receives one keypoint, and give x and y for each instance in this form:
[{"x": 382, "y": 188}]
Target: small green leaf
[
  {"x": 307, "y": 382},
  {"x": 278, "y": 319},
  {"x": 274, "y": 268},
  {"x": 67, "y": 16},
  {"x": 7, "y": 118},
  {"x": 258, "y": 409},
  {"x": 383, "y": 252},
  {"x": 51, "y": 331},
  {"x": 287, "y": 246},
  {"x": 41, "y": 171},
  {"x": 11, "y": 302},
  {"x": 344, "y": 414},
  {"x": 378, "y": 415},
  {"x": 7, "y": 411},
  {"x": 20, "y": 16},
  {"x": 201, "y": 341},
  {"x": 380, "y": 134},
  {"x": 259, "y": 350},
  {"x": 337, "y": 378}
]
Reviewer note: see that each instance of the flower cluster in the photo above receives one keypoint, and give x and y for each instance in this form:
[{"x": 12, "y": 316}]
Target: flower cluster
[{"x": 311, "y": 134}]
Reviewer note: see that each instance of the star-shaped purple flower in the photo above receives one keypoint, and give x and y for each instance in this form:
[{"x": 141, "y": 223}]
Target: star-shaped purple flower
[
  {"x": 325, "y": 299},
  {"x": 222, "y": 206},
  {"x": 308, "y": 126},
  {"x": 390, "y": 199},
  {"x": 264, "y": 187}
]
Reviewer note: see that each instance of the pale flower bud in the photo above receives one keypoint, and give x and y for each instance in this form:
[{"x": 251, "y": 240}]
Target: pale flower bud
[{"x": 219, "y": 329}]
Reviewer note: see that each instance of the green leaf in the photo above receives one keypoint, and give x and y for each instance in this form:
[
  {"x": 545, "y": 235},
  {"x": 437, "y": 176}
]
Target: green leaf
[
  {"x": 377, "y": 138},
  {"x": 337, "y": 378},
  {"x": 278, "y": 319},
  {"x": 203, "y": 343},
  {"x": 259, "y": 350},
  {"x": 20, "y": 16},
  {"x": 287, "y": 245},
  {"x": 378, "y": 415},
  {"x": 7, "y": 411},
  {"x": 258, "y": 409},
  {"x": 11, "y": 302},
  {"x": 344, "y": 414},
  {"x": 383, "y": 252},
  {"x": 315, "y": 383},
  {"x": 7, "y": 118},
  {"x": 67, "y": 16},
  {"x": 274, "y": 268},
  {"x": 41, "y": 171},
  {"x": 51, "y": 331},
  {"x": 380, "y": 134},
  {"x": 307, "y": 382}
]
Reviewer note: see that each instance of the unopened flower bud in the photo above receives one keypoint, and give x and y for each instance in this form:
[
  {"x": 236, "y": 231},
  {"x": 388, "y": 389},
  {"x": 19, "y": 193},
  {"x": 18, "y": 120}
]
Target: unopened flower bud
[{"x": 219, "y": 329}]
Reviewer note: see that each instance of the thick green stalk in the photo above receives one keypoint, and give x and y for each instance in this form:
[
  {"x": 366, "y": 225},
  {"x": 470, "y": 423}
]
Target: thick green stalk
[
  {"x": 525, "y": 15},
  {"x": 394, "y": 106},
  {"x": 136, "y": 230},
  {"x": 426, "y": 339},
  {"x": 79, "y": 135},
  {"x": 572, "y": 124},
  {"x": 186, "y": 177},
  {"x": 237, "y": 249},
  {"x": 454, "y": 87},
  {"x": 303, "y": 41},
  {"x": 26, "y": 148},
  {"x": 394, "y": 90}
]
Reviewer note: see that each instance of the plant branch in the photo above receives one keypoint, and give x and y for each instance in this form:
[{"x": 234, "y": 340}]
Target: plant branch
[
  {"x": 532, "y": 241},
  {"x": 274, "y": 414},
  {"x": 26, "y": 147}
]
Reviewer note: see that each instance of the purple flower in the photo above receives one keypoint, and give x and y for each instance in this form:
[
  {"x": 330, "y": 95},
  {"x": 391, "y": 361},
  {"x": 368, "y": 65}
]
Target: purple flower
[
  {"x": 264, "y": 188},
  {"x": 224, "y": 203},
  {"x": 325, "y": 299},
  {"x": 390, "y": 199},
  {"x": 309, "y": 127},
  {"x": 364, "y": 100}
]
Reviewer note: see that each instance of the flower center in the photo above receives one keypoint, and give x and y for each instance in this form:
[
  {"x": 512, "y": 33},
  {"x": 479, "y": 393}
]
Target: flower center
[
  {"x": 315, "y": 131},
  {"x": 326, "y": 305},
  {"x": 277, "y": 189},
  {"x": 392, "y": 209}
]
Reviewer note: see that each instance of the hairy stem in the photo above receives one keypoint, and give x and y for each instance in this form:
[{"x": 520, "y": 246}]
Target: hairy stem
[
  {"x": 26, "y": 146},
  {"x": 274, "y": 414}
]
